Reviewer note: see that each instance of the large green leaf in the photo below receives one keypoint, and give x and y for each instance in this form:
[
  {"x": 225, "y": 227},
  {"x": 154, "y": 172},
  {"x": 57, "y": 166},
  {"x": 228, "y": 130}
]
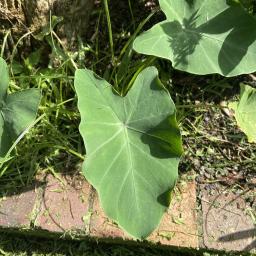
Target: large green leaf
[
  {"x": 18, "y": 110},
  {"x": 203, "y": 37},
  {"x": 245, "y": 111},
  {"x": 133, "y": 147}
]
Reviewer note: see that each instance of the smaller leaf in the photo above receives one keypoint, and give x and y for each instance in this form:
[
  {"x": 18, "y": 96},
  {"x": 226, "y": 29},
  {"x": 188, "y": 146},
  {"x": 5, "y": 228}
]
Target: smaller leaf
[
  {"x": 48, "y": 28},
  {"x": 245, "y": 111},
  {"x": 33, "y": 59},
  {"x": 17, "y": 110},
  {"x": 4, "y": 78},
  {"x": 203, "y": 37}
]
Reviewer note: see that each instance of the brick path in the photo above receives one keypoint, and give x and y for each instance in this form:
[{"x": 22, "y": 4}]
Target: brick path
[{"x": 68, "y": 206}]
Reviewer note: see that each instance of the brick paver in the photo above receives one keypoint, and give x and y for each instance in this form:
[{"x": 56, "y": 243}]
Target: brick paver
[
  {"x": 178, "y": 226},
  {"x": 68, "y": 208},
  {"x": 68, "y": 205},
  {"x": 16, "y": 210},
  {"x": 64, "y": 206}
]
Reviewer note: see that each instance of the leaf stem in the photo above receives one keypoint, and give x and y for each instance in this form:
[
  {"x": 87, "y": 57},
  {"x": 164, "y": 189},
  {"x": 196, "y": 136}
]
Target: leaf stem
[
  {"x": 144, "y": 65},
  {"x": 130, "y": 41},
  {"x": 109, "y": 29},
  {"x": 4, "y": 43}
]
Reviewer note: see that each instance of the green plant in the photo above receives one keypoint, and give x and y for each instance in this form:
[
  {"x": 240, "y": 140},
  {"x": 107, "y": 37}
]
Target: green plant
[
  {"x": 200, "y": 37},
  {"x": 53, "y": 144},
  {"x": 245, "y": 111},
  {"x": 18, "y": 111},
  {"x": 217, "y": 37},
  {"x": 203, "y": 37},
  {"x": 133, "y": 147}
]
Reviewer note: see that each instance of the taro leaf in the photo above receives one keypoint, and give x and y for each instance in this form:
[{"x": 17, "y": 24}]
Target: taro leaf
[
  {"x": 18, "y": 110},
  {"x": 203, "y": 37},
  {"x": 245, "y": 111},
  {"x": 133, "y": 147}
]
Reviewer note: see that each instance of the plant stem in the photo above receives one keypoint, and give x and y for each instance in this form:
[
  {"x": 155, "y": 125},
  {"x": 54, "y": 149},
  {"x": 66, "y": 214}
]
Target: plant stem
[
  {"x": 4, "y": 43},
  {"x": 109, "y": 29},
  {"x": 131, "y": 12},
  {"x": 144, "y": 65}
]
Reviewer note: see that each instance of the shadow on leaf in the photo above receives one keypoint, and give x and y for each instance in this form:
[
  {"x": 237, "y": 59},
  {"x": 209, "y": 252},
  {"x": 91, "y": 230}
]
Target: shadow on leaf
[
  {"x": 228, "y": 33},
  {"x": 182, "y": 41},
  {"x": 236, "y": 44},
  {"x": 164, "y": 140}
]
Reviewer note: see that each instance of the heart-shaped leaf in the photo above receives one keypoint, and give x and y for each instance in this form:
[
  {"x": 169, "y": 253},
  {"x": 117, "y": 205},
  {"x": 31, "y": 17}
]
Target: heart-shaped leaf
[
  {"x": 245, "y": 111},
  {"x": 203, "y": 37},
  {"x": 18, "y": 110},
  {"x": 133, "y": 147}
]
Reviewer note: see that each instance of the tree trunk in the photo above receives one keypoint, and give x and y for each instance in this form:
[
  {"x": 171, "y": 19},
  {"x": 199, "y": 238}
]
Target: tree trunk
[{"x": 22, "y": 16}]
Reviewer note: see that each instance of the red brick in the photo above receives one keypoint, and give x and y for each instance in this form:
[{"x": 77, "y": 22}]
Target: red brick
[
  {"x": 64, "y": 205},
  {"x": 179, "y": 224},
  {"x": 16, "y": 210},
  {"x": 102, "y": 227},
  {"x": 168, "y": 233},
  {"x": 67, "y": 205}
]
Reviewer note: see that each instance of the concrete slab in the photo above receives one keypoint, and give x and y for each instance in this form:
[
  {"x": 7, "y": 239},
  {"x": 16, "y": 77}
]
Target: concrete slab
[{"x": 226, "y": 225}]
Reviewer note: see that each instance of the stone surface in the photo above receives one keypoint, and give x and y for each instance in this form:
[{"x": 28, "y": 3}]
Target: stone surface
[
  {"x": 178, "y": 226},
  {"x": 226, "y": 226},
  {"x": 65, "y": 205},
  {"x": 16, "y": 210}
]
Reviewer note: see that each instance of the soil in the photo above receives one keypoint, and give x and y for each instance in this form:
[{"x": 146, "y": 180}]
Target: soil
[{"x": 26, "y": 17}]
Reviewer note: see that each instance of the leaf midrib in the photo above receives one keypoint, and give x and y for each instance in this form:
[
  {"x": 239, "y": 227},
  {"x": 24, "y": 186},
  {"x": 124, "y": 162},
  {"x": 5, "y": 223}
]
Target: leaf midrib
[{"x": 131, "y": 166}]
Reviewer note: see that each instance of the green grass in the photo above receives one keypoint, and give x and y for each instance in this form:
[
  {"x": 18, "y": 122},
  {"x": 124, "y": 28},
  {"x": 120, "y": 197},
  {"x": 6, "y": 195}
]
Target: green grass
[{"x": 54, "y": 143}]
